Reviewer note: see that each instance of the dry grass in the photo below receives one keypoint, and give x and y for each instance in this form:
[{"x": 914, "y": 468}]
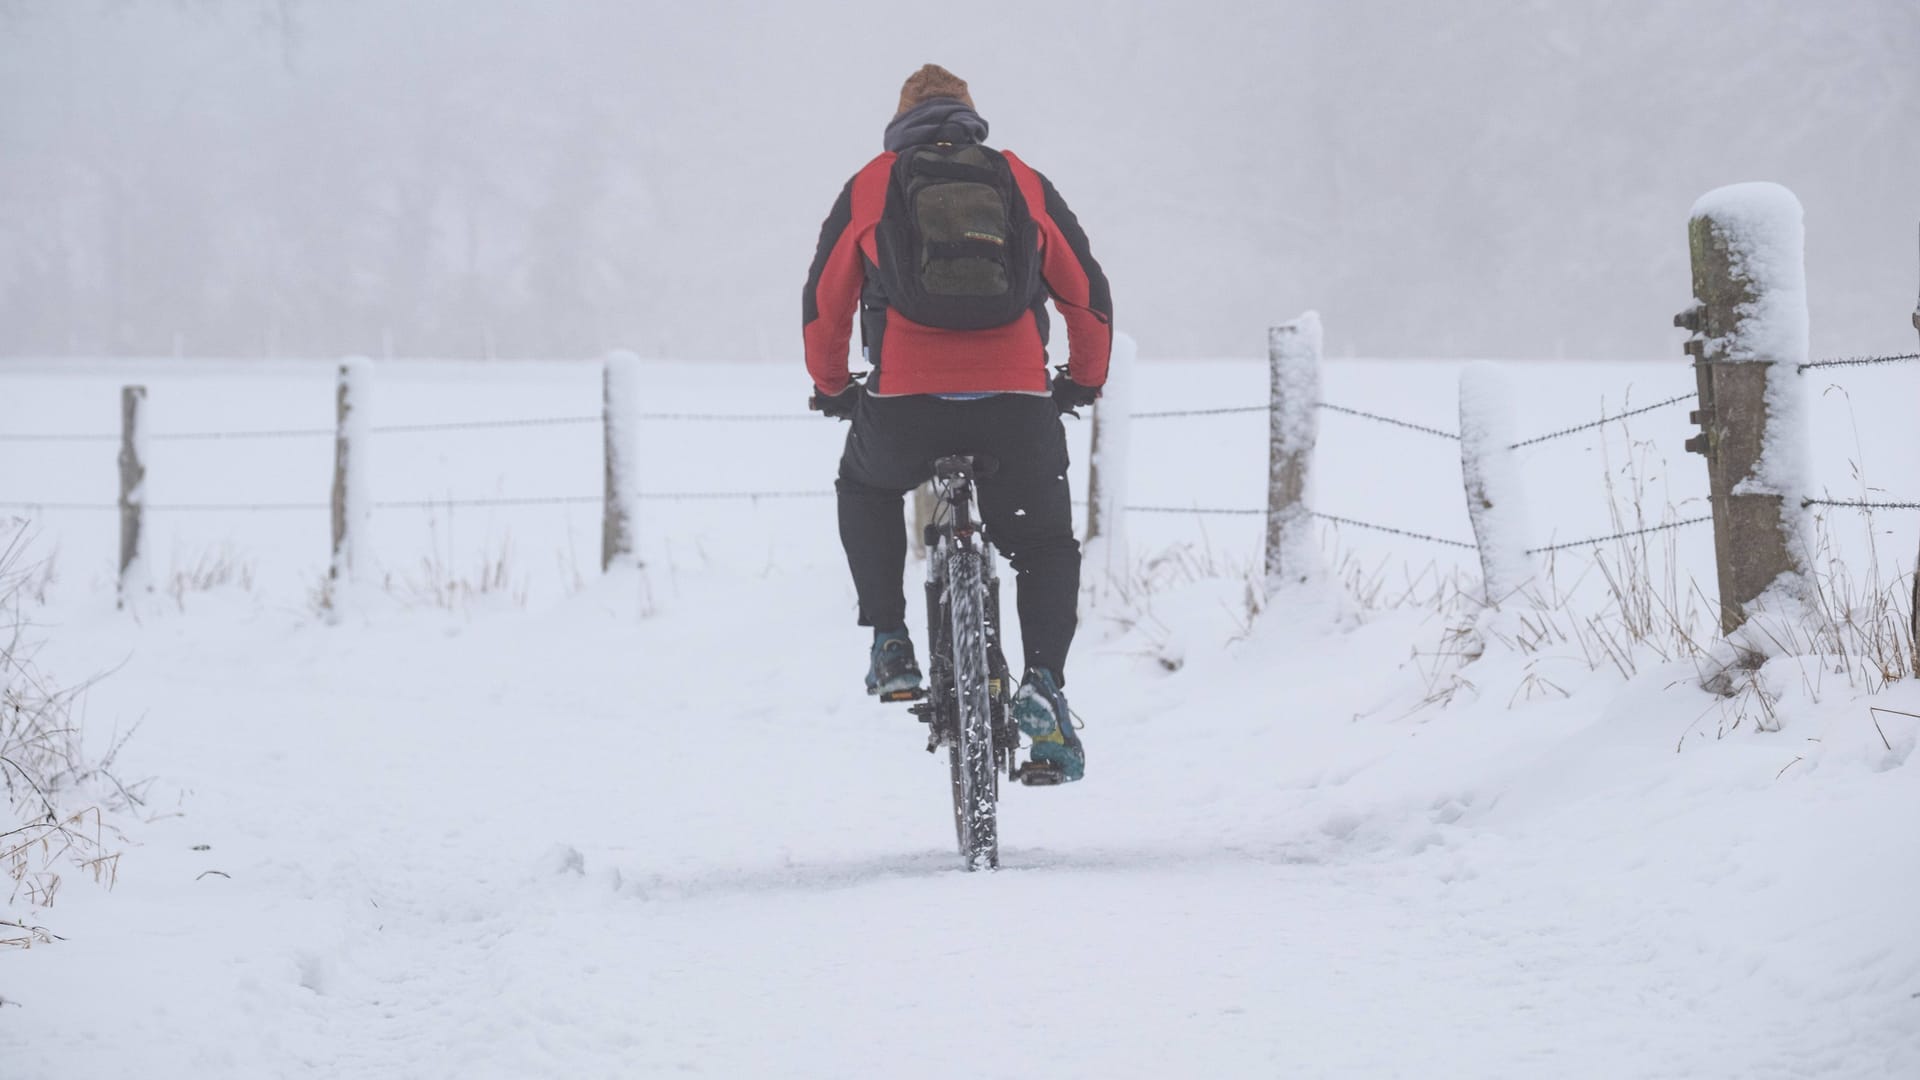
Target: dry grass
[
  {"x": 216, "y": 567},
  {"x": 1130, "y": 602},
  {"x": 1855, "y": 624},
  {"x": 57, "y": 796},
  {"x": 434, "y": 582}
]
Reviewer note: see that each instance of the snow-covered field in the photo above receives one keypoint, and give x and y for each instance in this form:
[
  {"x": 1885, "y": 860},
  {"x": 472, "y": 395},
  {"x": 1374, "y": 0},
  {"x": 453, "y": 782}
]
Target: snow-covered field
[{"x": 562, "y": 826}]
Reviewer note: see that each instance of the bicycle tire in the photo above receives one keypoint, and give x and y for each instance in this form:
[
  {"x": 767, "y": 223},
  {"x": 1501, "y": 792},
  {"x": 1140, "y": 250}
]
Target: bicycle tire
[{"x": 976, "y": 787}]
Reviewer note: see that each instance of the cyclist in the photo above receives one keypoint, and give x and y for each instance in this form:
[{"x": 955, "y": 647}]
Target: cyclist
[{"x": 950, "y": 250}]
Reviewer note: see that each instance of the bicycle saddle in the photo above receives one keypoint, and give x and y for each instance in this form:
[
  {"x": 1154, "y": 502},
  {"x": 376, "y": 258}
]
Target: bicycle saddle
[{"x": 965, "y": 466}]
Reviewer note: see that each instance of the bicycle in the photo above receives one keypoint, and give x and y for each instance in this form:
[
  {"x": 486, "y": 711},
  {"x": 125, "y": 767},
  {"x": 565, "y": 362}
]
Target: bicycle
[{"x": 966, "y": 704}]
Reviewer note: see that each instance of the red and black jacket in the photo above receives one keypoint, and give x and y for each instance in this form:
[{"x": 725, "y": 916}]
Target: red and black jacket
[{"x": 910, "y": 358}]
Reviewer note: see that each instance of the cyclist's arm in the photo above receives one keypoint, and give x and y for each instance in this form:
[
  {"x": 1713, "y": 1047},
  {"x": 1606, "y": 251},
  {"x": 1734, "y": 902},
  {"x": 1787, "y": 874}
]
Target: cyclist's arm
[
  {"x": 833, "y": 290},
  {"x": 1074, "y": 278},
  {"x": 839, "y": 270}
]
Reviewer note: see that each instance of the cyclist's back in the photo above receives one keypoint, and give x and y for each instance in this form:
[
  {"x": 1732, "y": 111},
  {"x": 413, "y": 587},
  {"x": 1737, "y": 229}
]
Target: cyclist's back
[{"x": 949, "y": 249}]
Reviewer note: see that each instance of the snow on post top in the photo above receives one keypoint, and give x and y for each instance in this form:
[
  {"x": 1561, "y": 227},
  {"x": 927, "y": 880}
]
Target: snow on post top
[
  {"x": 1764, "y": 229},
  {"x": 1302, "y": 333},
  {"x": 1296, "y": 348}
]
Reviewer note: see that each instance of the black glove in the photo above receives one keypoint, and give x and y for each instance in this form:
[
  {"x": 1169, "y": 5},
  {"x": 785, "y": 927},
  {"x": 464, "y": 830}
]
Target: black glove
[
  {"x": 836, "y": 406},
  {"x": 1069, "y": 395}
]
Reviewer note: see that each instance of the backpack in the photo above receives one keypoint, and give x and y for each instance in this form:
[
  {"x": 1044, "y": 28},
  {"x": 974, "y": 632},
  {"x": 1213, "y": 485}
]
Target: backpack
[{"x": 957, "y": 247}]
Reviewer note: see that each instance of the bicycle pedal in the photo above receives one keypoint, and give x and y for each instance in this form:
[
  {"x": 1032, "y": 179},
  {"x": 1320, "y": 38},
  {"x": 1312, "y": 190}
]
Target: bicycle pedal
[
  {"x": 892, "y": 697},
  {"x": 1039, "y": 774}
]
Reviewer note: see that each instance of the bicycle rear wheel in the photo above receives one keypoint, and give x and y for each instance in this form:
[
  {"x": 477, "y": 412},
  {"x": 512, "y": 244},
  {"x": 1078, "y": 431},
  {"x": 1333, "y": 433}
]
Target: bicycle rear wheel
[{"x": 976, "y": 778}]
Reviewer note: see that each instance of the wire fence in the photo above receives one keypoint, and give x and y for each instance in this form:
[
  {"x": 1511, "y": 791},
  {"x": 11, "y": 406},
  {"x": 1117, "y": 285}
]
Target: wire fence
[
  {"x": 795, "y": 417},
  {"x": 1424, "y": 429}
]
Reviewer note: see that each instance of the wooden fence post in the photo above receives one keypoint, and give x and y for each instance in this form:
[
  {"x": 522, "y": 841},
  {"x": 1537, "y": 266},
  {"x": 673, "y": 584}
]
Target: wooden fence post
[
  {"x": 1749, "y": 324},
  {"x": 1495, "y": 501},
  {"x": 352, "y": 502},
  {"x": 1107, "y": 454},
  {"x": 620, "y": 427},
  {"x": 133, "y": 493},
  {"x": 1293, "y": 425}
]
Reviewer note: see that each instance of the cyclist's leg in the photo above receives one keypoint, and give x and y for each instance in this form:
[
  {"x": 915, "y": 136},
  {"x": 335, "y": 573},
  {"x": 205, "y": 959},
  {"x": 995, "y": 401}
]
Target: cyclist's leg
[
  {"x": 1028, "y": 508},
  {"x": 883, "y": 460}
]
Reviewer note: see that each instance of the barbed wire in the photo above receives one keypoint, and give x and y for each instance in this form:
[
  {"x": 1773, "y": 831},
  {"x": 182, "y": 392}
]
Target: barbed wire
[
  {"x": 13, "y": 436},
  {"x": 1201, "y": 510},
  {"x": 1393, "y": 531},
  {"x": 1861, "y": 504},
  {"x": 1409, "y": 425},
  {"x": 198, "y": 436},
  {"x": 702, "y": 496},
  {"x": 523, "y": 500},
  {"x": 1245, "y": 512},
  {"x": 199, "y": 508},
  {"x": 776, "y": 418},
  {"x": 1161, "y": 414},
  {"x": 1602, "y": 422},
  {"x": 1629, "y": 534},
  {"x": 477, "y": 425},
  {"x": 1861, "y": 361},
  {"x": 579, "y": 500}
]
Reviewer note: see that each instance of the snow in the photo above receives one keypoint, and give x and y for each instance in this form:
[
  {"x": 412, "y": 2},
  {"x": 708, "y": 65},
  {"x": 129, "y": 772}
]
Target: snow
[
  {"x": 1496, "y": 499},
  {"x": 543, "y": 836}
]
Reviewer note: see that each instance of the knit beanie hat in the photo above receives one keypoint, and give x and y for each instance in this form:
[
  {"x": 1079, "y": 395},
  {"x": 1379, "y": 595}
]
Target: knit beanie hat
[{"x": 932, "y": 81}]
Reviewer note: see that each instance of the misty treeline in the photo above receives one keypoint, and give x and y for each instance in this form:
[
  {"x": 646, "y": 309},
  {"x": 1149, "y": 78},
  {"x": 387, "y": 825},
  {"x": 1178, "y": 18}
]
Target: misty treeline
[{"x": 504, "y": 177}]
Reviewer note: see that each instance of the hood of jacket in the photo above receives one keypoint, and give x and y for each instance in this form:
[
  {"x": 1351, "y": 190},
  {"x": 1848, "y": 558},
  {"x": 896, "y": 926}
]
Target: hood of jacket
[{"x": 936, "y": 120}]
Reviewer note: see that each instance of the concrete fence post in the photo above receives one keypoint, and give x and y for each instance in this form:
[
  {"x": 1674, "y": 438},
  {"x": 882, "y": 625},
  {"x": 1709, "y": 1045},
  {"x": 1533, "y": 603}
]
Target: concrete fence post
[
  {"x": 1110, "y": 436},
  {"x": 1496, "y": 503},
  {"x": 924, "y": 504},
  {"x": 1293, "y": 426},
  {"x": 352, "y": 501},
  {"x": 620, "y": 427},
  {"x": 1749, "y": 337},
  {"x": 133, "y": 579}
]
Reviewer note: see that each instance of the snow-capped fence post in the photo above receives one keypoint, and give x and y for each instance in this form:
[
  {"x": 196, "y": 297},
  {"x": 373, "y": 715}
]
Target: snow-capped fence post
[
  {"x": 1749, "y": 338},
  {"x": 620, "y": 428},
  {"x": 1107, "y": 460},
  {"x": 1293, "y": 425},
  {"x": 133, "y": 492},
  {"x": 1495, "y": 502},
  {"x": 352, "y": 502}
]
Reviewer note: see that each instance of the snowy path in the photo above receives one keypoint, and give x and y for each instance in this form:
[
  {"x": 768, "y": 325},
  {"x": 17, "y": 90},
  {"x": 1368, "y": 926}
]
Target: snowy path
[{"x": 541, "y": 844}]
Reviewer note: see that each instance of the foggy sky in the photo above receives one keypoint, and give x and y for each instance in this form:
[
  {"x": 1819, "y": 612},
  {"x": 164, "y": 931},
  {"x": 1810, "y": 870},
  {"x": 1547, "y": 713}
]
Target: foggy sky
[{"x": 505, "y": 177}]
